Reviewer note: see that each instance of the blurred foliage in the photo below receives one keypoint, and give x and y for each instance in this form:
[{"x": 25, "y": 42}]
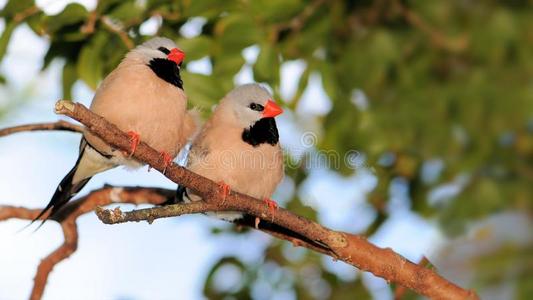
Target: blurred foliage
[{"x": 449, "y": 81}]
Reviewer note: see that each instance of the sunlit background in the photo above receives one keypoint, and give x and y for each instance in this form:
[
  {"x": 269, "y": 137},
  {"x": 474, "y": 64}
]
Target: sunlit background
[{"x": 181, "y": 258}]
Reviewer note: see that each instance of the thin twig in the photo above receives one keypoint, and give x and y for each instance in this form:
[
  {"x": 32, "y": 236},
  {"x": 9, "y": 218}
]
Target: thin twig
[
  {"x": 89, "y": 25},
  {"x": 117, "y": 29},
  {"x": 67, "y": 218},
  {"x": 28, "y": 12},
  {"x": 59, "y": 125}
]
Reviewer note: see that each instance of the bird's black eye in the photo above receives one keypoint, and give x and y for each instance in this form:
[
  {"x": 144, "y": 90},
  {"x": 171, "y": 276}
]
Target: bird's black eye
[
  {"x": 164, "y": 50},
  {"x": 255, "y": 106}
]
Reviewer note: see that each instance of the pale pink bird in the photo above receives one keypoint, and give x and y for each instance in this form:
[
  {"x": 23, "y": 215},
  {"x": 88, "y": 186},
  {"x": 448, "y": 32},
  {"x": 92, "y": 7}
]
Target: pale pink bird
[
  {"x": 239, "y": 148},
  {"x": 143, "y": 96}
]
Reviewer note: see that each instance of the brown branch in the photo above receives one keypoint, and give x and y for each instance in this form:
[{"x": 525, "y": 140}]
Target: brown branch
[
  {"x": 400, "y": 290},
  {"x": 68, "y": 215},
  {"x": 93, "y": 201},
  {"x": 117, "y": 216},
  {"x": 67, "y": 218},
  {"x": 352, "y": 249},
  {"x": 118, "y": 30},
  {"x": 69, "y": 246},
  {"x": 28, "y": 12},
  {"x": 349, "y": 248},
  {"x": 89, "y": 25},
  {"x": 59, "y": 125}
]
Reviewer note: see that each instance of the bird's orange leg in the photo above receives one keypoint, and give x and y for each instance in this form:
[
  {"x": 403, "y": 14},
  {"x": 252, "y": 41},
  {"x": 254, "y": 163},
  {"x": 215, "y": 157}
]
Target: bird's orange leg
[
  {"x": 272, "y": 205},
  {"x": 167, "y": 160},
  {"x": 224, "y": 190},
  {"x": 135, "y": 139}
]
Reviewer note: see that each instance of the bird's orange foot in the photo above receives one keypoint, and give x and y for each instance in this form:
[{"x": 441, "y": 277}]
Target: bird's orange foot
[
  {"x": 167, "y": 160},
  {"x": 224, "y": 190},
  {"x": 135, "y": 139},
  {"x": 272, "y": 205}
]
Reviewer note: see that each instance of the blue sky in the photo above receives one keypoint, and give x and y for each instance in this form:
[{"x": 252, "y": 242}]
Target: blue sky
[{"x": 169, "y": 258}]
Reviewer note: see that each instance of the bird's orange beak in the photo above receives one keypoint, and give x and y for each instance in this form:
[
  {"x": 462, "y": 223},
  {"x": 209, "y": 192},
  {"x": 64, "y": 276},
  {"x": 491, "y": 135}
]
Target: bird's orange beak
[
  {"x": 271, "y": 109},
  {"x": 176, "y": 55}
]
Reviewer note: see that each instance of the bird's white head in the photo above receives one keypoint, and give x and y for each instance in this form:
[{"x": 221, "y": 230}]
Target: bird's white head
[
  {"x": 248, "y": 104},
  {"x": 160, "y": 48},
  {"x": 162, "y": 56}
]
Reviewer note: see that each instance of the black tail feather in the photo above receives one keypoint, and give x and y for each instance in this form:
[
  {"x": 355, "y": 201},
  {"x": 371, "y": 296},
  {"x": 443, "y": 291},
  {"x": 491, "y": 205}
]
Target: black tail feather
[
  {"x": 64, "y": 192},
  {"x": 180, "y": 193},
  {"x": 178, "y": 198},
  {"x": 249, "y": 220}
]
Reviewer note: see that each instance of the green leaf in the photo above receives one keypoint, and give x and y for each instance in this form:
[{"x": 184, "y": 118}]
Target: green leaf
[
  {"x": 15, "y": 6},
  {"x": 227, "y": 65},
  {"x": 329, "y": 80},
  {"x": 266, "y": 68},
  {"x": 277, "y": 11},
  {"x": 61, "y": 49},
  {"x": 104, "y": 6},
  {"x": 112, "y": 53},
  {"x": 6, "y": 36},
  {"x": 235, "y": 32},
  {"x": 128, "y": 12},
  {"x": 151, "y": 4},
  {"x": 68, "y": 78},
  {"x": 90, "y": 66},
  {"x": 202, "y": 90},
  {"x": 196, "y": 47},
  {"x": 313, "y": 36},
  {"x": 205, "y": 8},
  {"x": 36, "y": 23},
  {"x": 72, "y": 14}
]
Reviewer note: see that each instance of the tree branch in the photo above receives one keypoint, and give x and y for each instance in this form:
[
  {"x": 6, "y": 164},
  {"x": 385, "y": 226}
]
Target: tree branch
[
  {"x": 67, "y": 219},
  {"x": 59, "y": 125},
  {"x": 118, "y": 30},
  {"x": 67, "y": 216},
  {"x": 400, "y": 290},
  {"x": 352, "y": 249}
]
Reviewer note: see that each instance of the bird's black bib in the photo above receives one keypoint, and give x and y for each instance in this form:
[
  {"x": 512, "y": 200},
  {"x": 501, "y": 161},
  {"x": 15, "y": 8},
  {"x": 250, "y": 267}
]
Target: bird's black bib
[
  {"x": 167, "y": 70},
  {"x": 263, "y": 131}
]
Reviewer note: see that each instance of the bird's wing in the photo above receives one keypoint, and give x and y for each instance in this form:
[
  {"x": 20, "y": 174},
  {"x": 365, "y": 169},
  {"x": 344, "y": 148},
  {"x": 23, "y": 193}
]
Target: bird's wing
[{"x": 192, "y": 124}]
